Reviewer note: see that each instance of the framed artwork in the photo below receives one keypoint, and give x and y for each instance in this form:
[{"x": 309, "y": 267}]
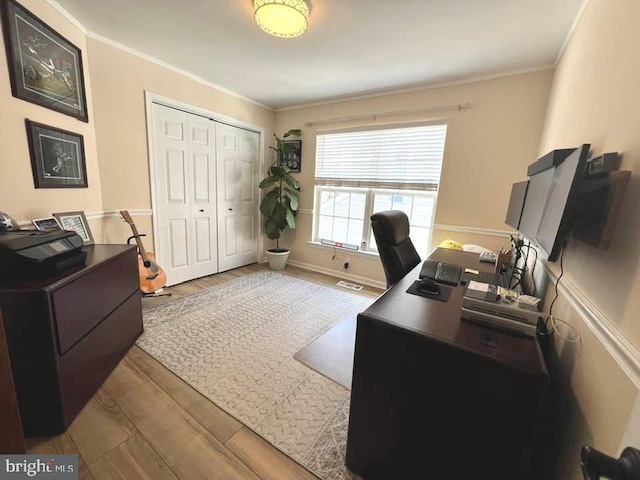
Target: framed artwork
[
  {"x": 46, "y": 224},
  {"x": 45, "y": 68},
  {"x": 76, "y": 222},
  {"x": 57, "y": 157},
  {"x": 292, "y": 156}
]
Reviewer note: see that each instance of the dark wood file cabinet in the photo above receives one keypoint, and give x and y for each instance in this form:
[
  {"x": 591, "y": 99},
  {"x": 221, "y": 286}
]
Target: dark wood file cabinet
[{"x": 66, "y": 334}]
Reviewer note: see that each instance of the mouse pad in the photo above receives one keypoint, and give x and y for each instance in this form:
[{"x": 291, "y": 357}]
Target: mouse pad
[{"x": 442, "y": 296}]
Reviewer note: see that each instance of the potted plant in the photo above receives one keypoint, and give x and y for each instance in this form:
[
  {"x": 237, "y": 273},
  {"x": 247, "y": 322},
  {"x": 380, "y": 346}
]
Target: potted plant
[{"x": 280, "y": 203}]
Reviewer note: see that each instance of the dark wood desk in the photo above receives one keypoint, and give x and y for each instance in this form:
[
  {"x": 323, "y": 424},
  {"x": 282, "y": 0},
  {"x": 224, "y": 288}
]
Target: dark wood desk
[
  {"x": 435, "y": 396},
  {"x": 65, "y": 334}
]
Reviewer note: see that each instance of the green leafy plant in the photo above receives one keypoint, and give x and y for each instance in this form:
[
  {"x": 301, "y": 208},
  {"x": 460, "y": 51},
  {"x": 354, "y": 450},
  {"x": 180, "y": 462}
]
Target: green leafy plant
[{"x": 280, "y": 203}]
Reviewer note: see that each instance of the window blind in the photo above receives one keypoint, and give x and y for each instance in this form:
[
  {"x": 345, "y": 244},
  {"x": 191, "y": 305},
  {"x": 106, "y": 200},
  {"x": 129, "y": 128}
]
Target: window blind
[{"x": 399, "y": 158}]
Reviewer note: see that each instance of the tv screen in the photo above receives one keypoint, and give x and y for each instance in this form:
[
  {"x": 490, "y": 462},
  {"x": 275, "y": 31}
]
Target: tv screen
[
  {"x": 516, "y": 202},
  {"x": 560, "y": 206}
]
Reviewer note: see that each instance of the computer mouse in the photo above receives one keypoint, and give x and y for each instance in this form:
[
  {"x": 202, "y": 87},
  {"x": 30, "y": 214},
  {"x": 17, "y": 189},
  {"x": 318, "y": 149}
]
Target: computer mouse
[{"x": 428, "y": 285}]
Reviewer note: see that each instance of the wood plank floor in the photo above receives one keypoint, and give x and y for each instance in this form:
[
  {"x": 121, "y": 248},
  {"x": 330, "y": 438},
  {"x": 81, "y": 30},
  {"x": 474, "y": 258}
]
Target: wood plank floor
[{"x": 146, "y": 423}]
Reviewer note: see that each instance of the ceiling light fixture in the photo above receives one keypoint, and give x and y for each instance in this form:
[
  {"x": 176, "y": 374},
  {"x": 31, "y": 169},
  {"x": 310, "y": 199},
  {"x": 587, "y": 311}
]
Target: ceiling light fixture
[{"x": 282, "y": 18}]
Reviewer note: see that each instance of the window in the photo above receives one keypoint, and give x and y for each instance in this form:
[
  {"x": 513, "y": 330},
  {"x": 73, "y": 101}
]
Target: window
[{"x": 360, "y": 173}]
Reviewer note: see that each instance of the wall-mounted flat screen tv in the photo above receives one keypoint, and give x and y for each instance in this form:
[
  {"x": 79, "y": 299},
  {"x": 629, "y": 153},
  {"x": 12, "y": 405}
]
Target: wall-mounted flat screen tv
[
  {"x": 560, "y": 207},
  {"x": 550, "y": 203}
]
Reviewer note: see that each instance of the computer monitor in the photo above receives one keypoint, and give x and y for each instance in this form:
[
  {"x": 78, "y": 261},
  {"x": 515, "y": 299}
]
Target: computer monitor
[
  {"x": 516, "y": 202},
  {"x": 534, "y": 203},
  {"x": 559, "y": 210}
]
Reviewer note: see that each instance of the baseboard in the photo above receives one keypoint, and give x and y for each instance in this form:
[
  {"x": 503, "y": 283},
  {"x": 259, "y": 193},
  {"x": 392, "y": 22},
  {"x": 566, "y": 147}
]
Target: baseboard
[
  {"x": 341, "y": 275},
  {"x": 624, "y": 352}
]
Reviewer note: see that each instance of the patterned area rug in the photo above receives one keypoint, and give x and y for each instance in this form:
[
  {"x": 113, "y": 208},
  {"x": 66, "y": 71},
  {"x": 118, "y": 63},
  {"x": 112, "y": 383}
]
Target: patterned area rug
[{"x": 235, "y": 342}]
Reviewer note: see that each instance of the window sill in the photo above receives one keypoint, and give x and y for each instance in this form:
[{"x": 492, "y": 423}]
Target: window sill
[{"x": 345, "y": 251}]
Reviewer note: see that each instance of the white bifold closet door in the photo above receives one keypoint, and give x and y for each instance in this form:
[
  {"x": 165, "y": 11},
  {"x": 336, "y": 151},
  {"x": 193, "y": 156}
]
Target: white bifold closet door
[
  {"x": 205, "y": 200},
  {"x": 237, "y": 196}
]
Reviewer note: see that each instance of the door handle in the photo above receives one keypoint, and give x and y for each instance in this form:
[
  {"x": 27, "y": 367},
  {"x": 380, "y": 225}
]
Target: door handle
[{"x": 231, "y": 209}]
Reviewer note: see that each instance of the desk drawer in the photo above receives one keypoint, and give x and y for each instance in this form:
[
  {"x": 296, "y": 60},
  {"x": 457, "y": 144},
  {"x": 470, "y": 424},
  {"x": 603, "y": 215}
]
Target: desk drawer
[
  {"x": 90, "y": 361},
  {"x": 82, "y": 304}
]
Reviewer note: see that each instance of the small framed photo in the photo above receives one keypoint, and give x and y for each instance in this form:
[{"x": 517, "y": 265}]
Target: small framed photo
[
  {"x": 44, "y": 67},
  {"x": 46, "y": 224},
  {"x": 57, "y": 157},
  {"x": 292, "y": 156},
  {"x": 76, "y": 222}
]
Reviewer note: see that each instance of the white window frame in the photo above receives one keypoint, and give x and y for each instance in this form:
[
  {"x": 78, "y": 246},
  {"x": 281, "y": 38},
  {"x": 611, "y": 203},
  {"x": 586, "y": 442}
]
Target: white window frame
[
  {"x": 370, "y": 190},
  {"x": 368, "y": 211}
]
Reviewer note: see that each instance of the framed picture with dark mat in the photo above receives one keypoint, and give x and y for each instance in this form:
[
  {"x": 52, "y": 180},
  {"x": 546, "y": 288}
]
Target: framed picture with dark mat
[
  {"x": 292, "y": 156},
  {"x": 44, "y": 67},
  {"x": 57, "y": 157}
]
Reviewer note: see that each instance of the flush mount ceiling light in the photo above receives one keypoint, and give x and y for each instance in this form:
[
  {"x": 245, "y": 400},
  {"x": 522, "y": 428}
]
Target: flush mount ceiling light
[{"x": 282, "y": 18}]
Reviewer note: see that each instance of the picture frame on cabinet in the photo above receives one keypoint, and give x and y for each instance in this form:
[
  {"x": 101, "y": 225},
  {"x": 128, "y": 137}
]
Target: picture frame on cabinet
[{"x": 76, "y": 222}]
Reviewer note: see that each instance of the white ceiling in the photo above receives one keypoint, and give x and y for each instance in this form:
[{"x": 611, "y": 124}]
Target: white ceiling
[{"x": 351, "y": 47}]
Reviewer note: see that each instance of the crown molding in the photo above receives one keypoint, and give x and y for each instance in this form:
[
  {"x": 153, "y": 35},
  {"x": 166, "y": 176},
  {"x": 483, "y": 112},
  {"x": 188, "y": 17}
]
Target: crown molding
[
  {"x": 571, "y": 31},
  {"x": 419, "y": 88},
  {"x": 375, "y": 94},
  {"x": 70, "y": 18},
  {"x": 112, "y": 43}
]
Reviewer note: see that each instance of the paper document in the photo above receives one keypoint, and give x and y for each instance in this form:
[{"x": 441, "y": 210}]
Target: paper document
[{"x": 478, "y": 286}]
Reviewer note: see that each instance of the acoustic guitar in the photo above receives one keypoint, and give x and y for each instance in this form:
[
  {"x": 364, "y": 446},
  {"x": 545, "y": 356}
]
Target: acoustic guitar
[{"x": 152, "y": 277}]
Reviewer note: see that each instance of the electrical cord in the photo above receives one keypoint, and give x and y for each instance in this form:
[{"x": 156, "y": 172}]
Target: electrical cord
[
  {"x": 516, "y": 272},
  {"x": 554, "y": 321},
  {"x": 533, "y": 270},
  {"x": 343, "y": 263},
  {"x": 558, "y": 280}
]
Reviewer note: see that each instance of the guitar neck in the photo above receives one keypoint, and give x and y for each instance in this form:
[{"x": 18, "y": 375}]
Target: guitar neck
[
  {"x": 143, "y": 252},
  {"x": 134, "y": 229}
]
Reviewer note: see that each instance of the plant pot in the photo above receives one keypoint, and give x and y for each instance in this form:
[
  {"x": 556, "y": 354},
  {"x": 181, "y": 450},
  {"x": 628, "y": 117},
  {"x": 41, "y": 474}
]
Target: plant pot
[{"x": 277, "y": 258}]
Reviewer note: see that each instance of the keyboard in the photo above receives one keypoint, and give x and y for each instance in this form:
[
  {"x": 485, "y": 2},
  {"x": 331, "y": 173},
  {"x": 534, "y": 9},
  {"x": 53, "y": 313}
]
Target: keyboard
[
  {"x": 441, "y": 272},
  {"x": 448, "y": 273}
]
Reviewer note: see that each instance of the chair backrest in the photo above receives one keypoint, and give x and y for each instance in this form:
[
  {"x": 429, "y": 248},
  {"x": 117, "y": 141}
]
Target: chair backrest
[{"x": 397, "y": 253}]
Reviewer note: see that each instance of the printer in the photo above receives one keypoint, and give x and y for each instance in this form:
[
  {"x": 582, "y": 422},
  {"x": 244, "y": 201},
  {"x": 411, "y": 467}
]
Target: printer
[
  {"x": 499, "y": 308},
  {"x": 32, "y": 253}
]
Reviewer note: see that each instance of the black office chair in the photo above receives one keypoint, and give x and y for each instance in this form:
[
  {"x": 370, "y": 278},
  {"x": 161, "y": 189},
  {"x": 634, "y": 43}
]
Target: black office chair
[
  {"x": 397, "y": 253},
  {"x": 596, "y": 465}
]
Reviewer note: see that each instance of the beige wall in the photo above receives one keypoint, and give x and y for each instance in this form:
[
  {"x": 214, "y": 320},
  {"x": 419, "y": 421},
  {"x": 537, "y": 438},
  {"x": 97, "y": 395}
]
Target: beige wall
[
  {"x": 115, "y": 137},
  {"x": 595, "y": 100},
  {"x": 18, "y": 196},
  {"x": 119, "y": 82},
  {"x": 487, "y": 149}
]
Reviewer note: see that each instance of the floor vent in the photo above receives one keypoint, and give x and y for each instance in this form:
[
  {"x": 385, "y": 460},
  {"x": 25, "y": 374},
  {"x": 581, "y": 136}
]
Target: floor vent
[{"x": 350, "y": 286}]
